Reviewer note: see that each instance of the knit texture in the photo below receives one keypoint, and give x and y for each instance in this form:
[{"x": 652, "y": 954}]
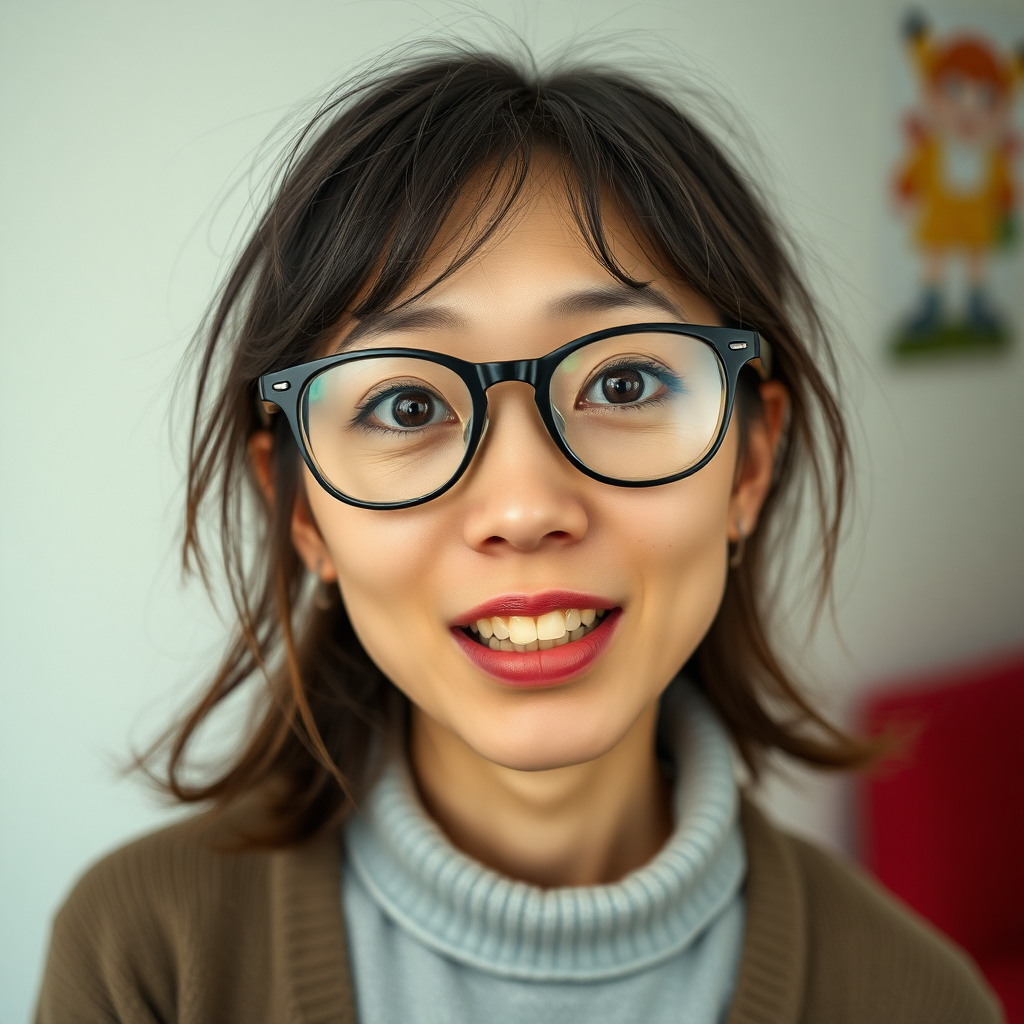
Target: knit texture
[
  {"x": 436, "y": 936},
  {"x": 167, "y": 929},
  {"x": 459, "y": 908}
]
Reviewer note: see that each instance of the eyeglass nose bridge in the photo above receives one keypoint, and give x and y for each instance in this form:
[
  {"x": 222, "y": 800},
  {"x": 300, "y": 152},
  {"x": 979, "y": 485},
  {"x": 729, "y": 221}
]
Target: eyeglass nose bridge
[{"x": 526, "y": 371}]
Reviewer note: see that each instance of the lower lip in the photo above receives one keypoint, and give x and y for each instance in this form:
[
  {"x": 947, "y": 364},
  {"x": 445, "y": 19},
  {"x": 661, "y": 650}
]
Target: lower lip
[{"x": 541, "y": 668}]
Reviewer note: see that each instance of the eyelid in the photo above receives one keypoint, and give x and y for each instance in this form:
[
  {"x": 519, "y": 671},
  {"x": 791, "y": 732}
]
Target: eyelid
[
  {"x": 643, "y": 363},
  {"x": 365, "y": 409},
  {"x": 391, "y": 387},
  {"x": 659, "y": 372}
]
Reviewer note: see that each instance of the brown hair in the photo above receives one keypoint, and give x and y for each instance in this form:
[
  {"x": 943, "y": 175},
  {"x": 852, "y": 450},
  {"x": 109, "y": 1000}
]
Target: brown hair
[{"x": 361, "y": 195}]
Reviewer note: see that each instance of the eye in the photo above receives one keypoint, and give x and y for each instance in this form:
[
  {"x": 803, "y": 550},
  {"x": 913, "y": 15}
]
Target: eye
[
  {"x": 405, "y": 408},
  {"x": 628, "y": 384}
]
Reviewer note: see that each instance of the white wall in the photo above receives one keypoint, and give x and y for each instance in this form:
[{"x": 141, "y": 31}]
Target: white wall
[{"x": 123, "y": 123}]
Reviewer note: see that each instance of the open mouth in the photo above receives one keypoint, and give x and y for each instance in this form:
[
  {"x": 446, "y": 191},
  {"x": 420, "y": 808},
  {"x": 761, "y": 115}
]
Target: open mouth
[{"x": 524, "y": 633}]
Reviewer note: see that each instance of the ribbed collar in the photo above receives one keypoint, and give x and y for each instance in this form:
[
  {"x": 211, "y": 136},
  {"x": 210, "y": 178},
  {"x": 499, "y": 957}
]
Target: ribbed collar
[{"x": 465, "y": 911}]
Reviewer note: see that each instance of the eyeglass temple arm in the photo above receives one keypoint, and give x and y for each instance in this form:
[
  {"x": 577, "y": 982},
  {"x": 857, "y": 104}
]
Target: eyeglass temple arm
[
  {"x": 763, "y": 362},
  {"x": 266, "y": 411},
  {"x": 266, "y": 408}
]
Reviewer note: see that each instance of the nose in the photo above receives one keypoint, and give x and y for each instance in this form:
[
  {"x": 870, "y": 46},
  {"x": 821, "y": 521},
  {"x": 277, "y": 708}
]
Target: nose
[{"x": 522, "y": 494}]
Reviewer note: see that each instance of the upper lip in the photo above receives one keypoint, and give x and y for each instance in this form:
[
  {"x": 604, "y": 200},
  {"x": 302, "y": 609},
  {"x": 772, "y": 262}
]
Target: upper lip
[{"x": 533, "y": 604}]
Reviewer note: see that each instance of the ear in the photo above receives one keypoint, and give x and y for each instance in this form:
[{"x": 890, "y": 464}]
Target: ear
[
  {"x": 754, "y": 471},
  {"x": 261, "y": 447},
  {"x": 305, "y": 533}
]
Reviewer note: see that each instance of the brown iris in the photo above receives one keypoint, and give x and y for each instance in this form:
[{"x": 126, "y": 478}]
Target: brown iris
[
  {"x": 413, "y": 409},
  {"x": 621, "y": 386}
]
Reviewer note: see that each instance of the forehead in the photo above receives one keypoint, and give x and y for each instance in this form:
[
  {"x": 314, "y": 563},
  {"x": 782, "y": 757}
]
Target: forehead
[{"x": 533, "y": 284}]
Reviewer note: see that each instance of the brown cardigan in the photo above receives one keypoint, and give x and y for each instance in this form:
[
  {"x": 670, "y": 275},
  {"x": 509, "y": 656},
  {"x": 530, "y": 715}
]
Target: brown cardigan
[{"x": 168, "y": 930}]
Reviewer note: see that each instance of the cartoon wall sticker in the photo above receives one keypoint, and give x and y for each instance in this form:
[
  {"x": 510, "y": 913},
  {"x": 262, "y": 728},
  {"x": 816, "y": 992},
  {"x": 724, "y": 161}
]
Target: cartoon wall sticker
[{"x": 955, "y": 185}]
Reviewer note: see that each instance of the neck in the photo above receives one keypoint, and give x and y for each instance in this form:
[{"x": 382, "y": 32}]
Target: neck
[{"x": 584, "y": 824}]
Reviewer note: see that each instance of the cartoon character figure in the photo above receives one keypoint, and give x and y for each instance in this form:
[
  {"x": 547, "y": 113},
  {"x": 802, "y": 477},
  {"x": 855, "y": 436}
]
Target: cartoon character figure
[{"x": 958, "y": 175}]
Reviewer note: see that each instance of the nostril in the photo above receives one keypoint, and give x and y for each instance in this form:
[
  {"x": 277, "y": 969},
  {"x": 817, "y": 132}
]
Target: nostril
[{"x": 528, "y": 541}]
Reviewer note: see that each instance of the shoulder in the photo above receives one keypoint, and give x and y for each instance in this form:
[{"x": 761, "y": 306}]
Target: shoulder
[
  {"x": 138, "y": 921},
  {"x": 167, "y": 881},
  {"x": 880, "y": 953},
  {"x": 858, "y": 954}
]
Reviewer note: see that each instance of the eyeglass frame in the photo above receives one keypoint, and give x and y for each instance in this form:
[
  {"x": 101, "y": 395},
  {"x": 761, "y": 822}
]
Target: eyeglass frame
[{"x": 735, "y": 347}]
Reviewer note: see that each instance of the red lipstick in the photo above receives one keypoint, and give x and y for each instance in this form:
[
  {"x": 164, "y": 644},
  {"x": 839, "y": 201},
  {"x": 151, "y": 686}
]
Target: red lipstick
[
  {"x": 533, "y": 604},
  {"x": 540, "y": 668}
]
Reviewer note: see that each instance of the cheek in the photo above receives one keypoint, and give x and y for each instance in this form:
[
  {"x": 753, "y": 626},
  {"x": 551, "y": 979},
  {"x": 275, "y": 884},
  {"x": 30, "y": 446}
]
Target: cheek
[
  {"x": 676, "y": 539},
  {"x": 385, "y": 562},
  {"x": 688, "y": 520}
]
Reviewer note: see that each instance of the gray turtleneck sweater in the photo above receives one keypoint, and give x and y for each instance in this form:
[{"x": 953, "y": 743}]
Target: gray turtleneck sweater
[{"x": 436, "y": 936}]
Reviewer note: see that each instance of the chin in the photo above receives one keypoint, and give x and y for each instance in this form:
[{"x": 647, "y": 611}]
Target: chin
[{"x": 544, "y": 739}]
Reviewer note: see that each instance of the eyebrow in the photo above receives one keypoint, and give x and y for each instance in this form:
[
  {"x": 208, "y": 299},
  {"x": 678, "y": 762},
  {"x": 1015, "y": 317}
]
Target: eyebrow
[
  {"x": 617, "y": 296},
  {"x": 407, "y": 318},
  {"x": 602, "y": 299}
]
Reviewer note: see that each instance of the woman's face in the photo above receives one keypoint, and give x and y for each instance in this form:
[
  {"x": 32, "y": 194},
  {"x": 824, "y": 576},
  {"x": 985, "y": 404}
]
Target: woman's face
[{"x": 523, "y": 523}]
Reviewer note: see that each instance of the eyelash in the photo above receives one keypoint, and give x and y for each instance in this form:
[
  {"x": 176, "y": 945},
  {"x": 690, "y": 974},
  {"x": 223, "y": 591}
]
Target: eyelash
[
  {"x": 364, "y": 411},
  {"x": 673, "y": 382}
]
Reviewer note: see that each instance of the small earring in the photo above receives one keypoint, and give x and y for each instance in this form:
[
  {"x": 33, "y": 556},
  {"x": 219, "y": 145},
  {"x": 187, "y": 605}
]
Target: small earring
[
  {"x": 323, "y": 595},
  {"x": 736, "y": 558}
]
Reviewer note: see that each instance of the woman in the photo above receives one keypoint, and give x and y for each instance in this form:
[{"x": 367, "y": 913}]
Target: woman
[{"x": 523, "y": 382}]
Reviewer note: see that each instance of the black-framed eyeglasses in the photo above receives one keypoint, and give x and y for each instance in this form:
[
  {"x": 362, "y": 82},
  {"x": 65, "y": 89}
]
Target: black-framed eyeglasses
[{"x": 633, "y": 406}]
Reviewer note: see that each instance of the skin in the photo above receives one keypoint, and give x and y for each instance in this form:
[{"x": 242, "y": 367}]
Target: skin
[{"x": 559, "y": 785}]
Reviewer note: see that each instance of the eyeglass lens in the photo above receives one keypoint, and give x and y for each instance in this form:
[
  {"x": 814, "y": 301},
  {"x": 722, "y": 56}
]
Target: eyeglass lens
[{"x": 633, "y": 407}]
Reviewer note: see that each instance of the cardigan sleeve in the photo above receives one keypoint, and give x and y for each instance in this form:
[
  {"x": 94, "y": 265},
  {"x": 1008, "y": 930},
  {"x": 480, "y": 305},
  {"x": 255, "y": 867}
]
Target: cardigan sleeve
[
  {"x": 108, "y": 958},
  {"x": 182, "y": 927},
  {"x": 872, "y": 959},
  {"x": 824, "y": 944},
  {"x": 166, "y": 929}
]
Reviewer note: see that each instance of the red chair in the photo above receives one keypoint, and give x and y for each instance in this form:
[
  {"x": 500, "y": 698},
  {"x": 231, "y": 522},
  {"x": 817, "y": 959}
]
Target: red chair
[{"x": 942, "y": 825}]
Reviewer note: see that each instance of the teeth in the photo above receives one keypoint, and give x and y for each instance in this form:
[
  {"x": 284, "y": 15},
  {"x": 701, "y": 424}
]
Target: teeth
[
  {"x": 552, "y": 625},
  {"x": 522, "y": 629},
  {"x": 525, "y": 633}
]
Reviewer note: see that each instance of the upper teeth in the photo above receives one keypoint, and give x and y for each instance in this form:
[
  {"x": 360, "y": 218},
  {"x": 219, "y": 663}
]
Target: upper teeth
[{"x": 524, "y": 629}]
